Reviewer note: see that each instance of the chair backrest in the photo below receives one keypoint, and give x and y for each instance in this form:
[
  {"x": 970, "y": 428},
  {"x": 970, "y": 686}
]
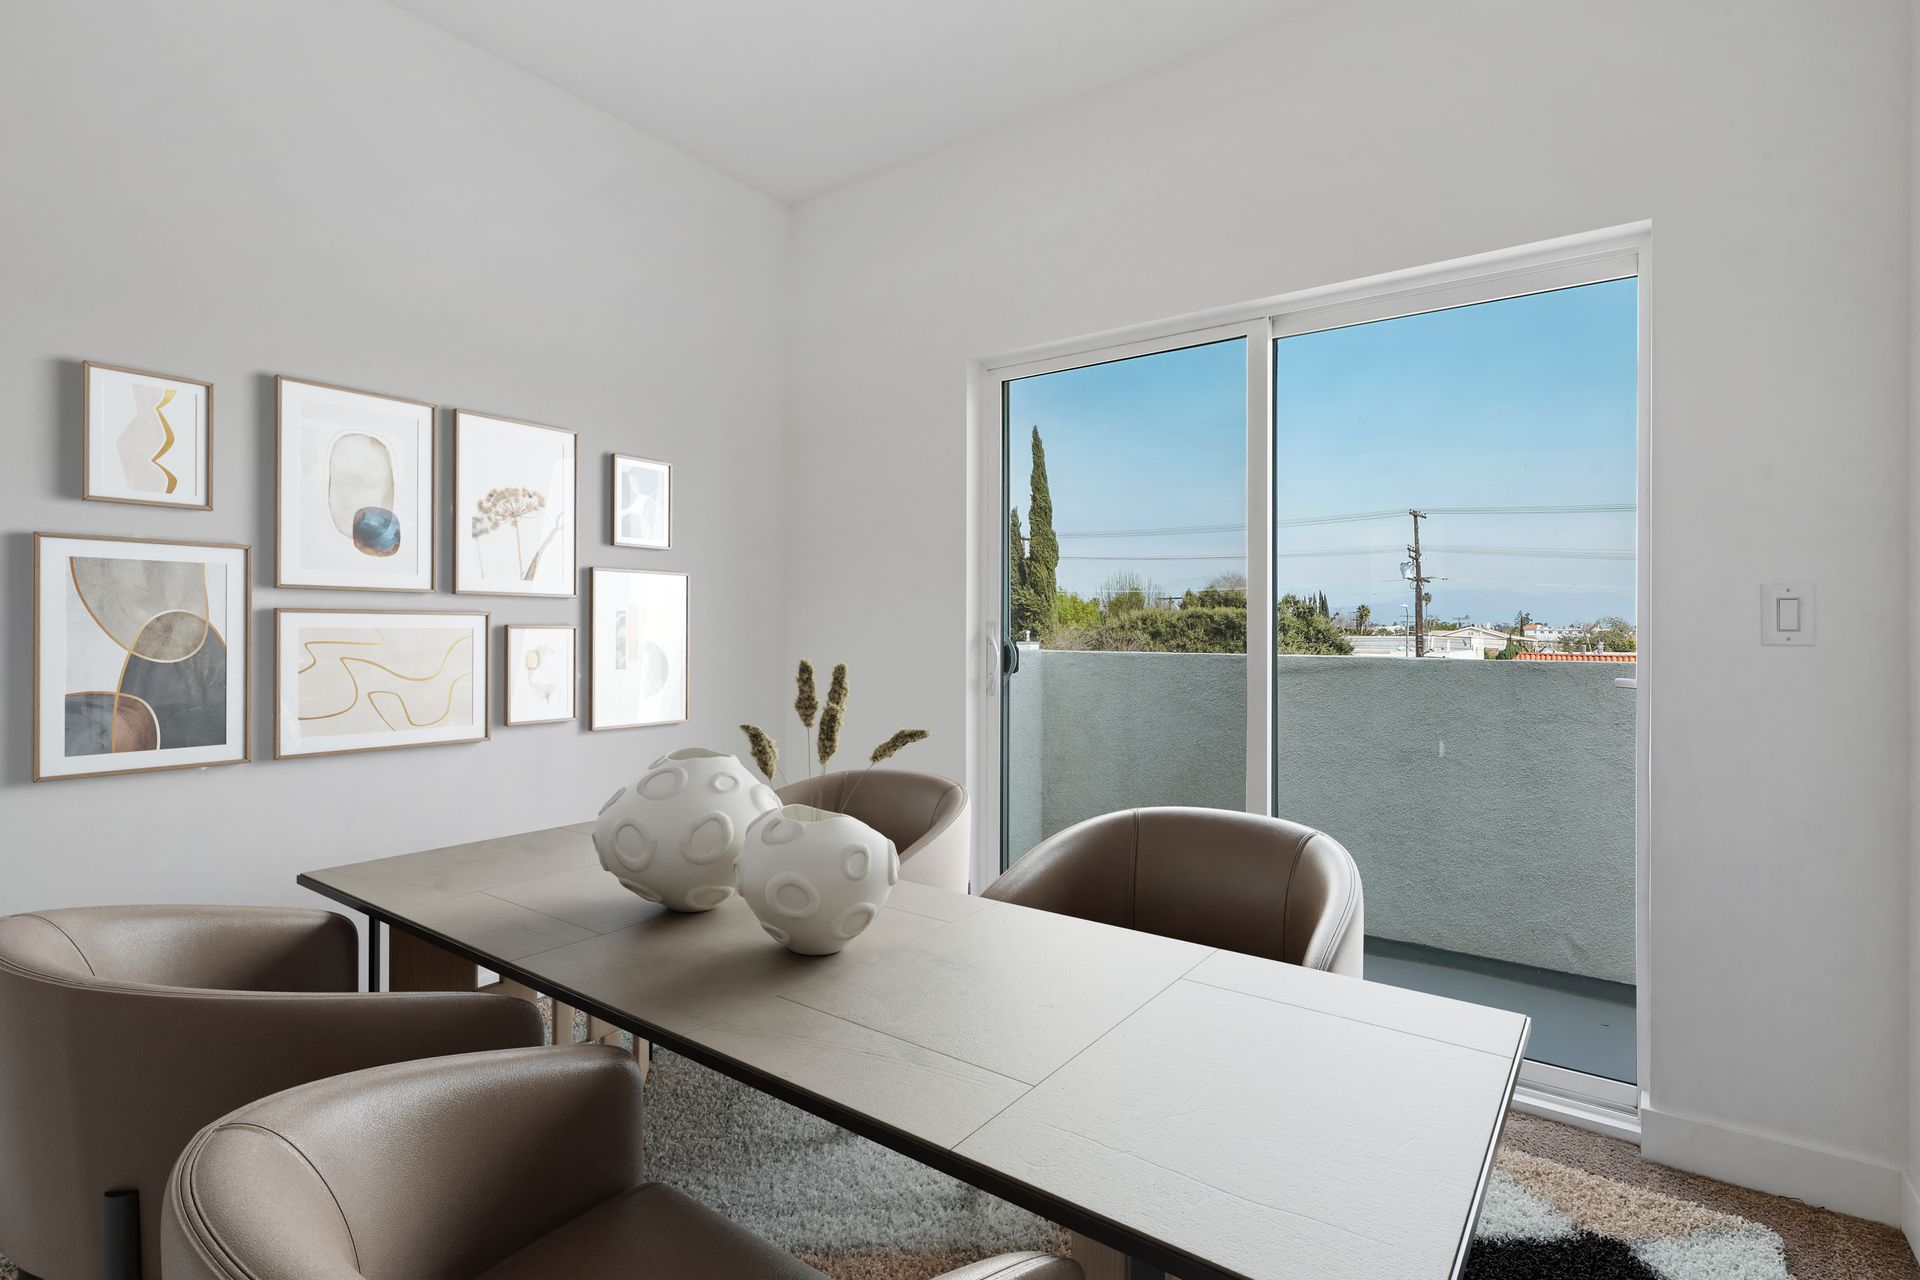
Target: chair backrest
[
  {"x": 922, "y": 813},
  {"x": 128, "y": 1028},
  {"x": 1238, "y": 881},
  {"x": 429, "y": 1170},
  {"x": 98, "y": 1032}
]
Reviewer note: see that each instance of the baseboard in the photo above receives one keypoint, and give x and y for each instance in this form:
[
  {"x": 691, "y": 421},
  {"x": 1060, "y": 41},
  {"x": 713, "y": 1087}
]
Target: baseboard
[
  {"x": 1910, "y": 1213},
  {"x": 1844, "y": 1181},
  {"x": 1581, "y": 1114}
]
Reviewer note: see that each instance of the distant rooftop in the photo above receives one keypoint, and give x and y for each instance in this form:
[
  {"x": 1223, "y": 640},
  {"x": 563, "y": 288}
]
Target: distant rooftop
[{"x": 1575, "y": 657}]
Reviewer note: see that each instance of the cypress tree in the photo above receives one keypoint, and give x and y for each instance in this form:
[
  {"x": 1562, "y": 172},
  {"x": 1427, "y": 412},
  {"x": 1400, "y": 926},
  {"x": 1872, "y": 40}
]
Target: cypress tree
[
  {"x": 1019, "y": 573},
  {"x": 1043, "y": 560}
]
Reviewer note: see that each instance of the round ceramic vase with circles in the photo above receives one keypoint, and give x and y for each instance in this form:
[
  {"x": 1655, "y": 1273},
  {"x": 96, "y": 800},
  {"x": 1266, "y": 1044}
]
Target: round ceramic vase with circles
[
  {"x": 672, "y": 836},
  {"x": 816, "y": 879}
]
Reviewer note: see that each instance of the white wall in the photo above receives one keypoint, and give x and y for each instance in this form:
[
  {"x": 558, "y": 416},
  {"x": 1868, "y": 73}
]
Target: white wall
[
  {"x": 1910, "y": 1199},
  {"x": 1768, "y": 144},
  {"x": 234, "y": 188}
]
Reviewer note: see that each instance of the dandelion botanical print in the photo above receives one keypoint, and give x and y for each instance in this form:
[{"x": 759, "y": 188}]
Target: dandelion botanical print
[
  {"x": 515, "y": 515},
  {"x": 508, "y": 508}
]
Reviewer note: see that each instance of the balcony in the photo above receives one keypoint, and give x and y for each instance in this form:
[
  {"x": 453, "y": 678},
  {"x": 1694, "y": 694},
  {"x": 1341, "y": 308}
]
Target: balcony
[{"x": 1489, "y": 805}]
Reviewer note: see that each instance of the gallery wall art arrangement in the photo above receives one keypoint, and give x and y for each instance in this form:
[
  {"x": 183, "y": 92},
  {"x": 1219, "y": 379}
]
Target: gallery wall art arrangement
[
  {"x": 141, "y": 645},
  {"x": 139, "y": 655}
]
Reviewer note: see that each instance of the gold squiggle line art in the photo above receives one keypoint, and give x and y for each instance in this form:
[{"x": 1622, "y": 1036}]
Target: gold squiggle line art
[
  {"x": 313, "y": 659},
  {"x": 411, "y": 722},
  {"x": 165, "y": 400},
  {"x": 344, "y": 659}
]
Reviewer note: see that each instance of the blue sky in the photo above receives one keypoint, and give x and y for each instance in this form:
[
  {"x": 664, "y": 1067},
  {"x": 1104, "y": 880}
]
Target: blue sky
[{"x": 1524, "y": 402}]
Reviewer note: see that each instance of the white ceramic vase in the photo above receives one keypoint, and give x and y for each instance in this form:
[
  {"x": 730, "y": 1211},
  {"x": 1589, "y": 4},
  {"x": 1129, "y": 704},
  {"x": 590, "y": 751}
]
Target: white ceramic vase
[
  {"x": 816, "y": 879},
  {"x": 672, "y": 837}
]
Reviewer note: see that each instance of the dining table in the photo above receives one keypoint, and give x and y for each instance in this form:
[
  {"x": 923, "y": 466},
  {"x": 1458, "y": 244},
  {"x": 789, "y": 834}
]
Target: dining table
[{"x": 1180, "y": 1109}]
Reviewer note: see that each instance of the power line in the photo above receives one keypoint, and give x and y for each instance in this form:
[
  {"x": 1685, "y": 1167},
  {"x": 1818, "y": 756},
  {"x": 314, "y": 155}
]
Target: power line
[
  {"x": 1536, "y": 553},
  {"x": 1145, "y": 533},
  {"x": 1225, "y": 555},
  {"x": 1541, "y": 553},
  {"x": 1348, "y": 517}
]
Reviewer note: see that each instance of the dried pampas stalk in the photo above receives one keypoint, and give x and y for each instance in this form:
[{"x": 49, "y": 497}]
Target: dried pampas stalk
[
  {"x": 885, "y": 751},
  {"x": 892, "y": 746},
  {"x": 765, "y": 753},
  {"x": 830, "y": 731},
  {"x": 837, "y": 691},
  {"x": 808, "y": 703}
]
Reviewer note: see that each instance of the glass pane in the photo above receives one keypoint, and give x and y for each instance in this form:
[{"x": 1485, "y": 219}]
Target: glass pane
[
  {"x": 1455, "y": 546},
  {"x": 1126, "y": 589}
]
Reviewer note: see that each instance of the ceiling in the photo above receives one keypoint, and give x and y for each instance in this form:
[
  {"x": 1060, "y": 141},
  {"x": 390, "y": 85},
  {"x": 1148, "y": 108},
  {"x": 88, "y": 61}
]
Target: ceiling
[{"x": 801, "y": 96}]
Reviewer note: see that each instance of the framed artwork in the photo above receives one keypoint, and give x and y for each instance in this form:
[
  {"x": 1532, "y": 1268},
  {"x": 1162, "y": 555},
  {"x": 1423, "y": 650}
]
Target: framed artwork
[
  {"x": 354, "y": 489},
  {"x": 637, "y": 648},
  {"x": 515, "y": 531},
  {"x": 148, "y": 438},
  {"x": 139, "y": 655},
  {"x": 375, "y": 679},
  {"x": 642, "y": 504},
  {"x": 540, "y": 674}
]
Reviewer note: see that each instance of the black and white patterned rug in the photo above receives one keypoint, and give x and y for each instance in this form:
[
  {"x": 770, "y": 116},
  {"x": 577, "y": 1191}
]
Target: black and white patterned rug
[{"x": 860, "y": 1212}]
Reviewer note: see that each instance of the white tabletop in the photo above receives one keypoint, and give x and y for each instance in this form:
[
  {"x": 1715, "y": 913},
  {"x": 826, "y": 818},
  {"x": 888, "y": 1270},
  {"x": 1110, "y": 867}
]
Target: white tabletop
[{"x": 1218, "y": 1114}]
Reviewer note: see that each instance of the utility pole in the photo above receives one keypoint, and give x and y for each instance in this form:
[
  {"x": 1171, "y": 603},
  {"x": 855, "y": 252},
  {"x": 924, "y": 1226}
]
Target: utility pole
[{"x": 1419, "y": 580}]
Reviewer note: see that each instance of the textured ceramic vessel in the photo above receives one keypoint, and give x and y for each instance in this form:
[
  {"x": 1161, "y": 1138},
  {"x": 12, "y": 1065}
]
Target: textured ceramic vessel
[
  {"x": 816, "y": 879},
  {"x": 672, "y": 836}
]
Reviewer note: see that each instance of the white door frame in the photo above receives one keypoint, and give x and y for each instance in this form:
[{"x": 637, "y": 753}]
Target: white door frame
[{"x": 1601, "y": 255}]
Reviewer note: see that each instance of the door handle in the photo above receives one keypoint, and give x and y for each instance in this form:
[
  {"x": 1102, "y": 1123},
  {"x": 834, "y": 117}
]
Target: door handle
[{"x": 1009, "y": 658}]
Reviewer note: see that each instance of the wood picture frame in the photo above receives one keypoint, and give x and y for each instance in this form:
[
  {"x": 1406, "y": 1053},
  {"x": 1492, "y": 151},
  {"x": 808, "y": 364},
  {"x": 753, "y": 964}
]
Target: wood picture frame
[
  {"x": 164, "y": 670},
  {"x": 511, "y": 678},
  {"x": 655, "y": 531},
  {"x": 402, "y": 638},
  {"x": 334, "y": 531},
  {"x": 122, "y": 473},
  {"x": 639, "y": 624},
  {"x": 525, "y": 476}
]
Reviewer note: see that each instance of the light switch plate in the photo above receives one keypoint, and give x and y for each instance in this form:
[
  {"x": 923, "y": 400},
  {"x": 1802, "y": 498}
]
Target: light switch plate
[{"x": 1786, "y": 614}]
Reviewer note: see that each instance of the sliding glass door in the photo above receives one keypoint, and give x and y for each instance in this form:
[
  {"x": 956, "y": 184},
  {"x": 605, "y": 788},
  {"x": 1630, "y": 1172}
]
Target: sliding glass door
[
  {"x": 1125, "y": 588},
  {"x": 1455, "y": 498},
  {"x": 1417, "y": 506}
]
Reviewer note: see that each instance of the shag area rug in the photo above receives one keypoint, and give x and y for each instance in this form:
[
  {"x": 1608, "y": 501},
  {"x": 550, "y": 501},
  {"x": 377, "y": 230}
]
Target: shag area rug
[{"x": 1564, "y": 1204}]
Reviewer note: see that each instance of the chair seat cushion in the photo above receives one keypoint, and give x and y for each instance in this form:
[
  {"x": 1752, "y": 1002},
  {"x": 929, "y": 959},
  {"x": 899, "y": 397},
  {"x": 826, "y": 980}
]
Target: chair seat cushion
[{"x": 652, "y": 1232}]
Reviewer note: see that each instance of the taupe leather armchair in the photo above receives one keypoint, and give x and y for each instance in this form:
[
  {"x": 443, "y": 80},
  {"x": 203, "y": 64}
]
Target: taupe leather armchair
[
  {"x": 924, "y": 815},
  {"x": 1239, "y": 881},
  {"x": 128, "y": 1028},
  {"x": 448, "y": 1169}
]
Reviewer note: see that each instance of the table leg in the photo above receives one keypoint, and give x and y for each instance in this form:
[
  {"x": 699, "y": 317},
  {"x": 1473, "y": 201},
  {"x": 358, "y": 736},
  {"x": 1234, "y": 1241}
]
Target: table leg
[
  {"x": 373, "y": 954},
  {"x": 1098, "y": 1262},
  {"x": 606, "y": 1033},
  {"x": 414, "y": 964},
  {"x": 563, "y": 1023}
]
